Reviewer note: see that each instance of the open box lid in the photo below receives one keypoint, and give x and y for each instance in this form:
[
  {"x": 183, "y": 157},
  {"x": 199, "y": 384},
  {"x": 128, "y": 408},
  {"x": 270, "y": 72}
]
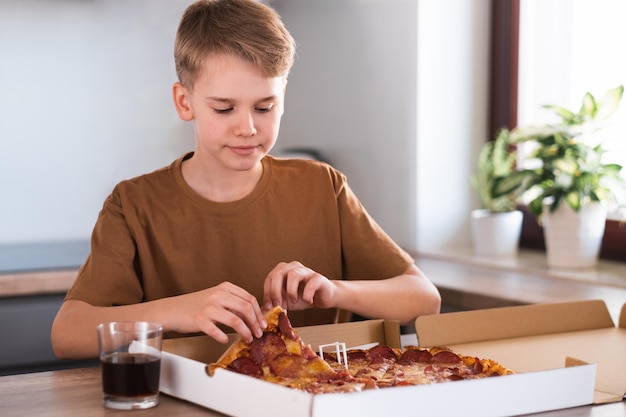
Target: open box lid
[{"x": 523, "y": 337}]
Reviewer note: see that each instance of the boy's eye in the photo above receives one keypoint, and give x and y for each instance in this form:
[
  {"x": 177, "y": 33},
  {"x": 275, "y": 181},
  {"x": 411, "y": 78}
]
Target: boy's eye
[
  {"x": 223, "y": 111},
  {"x": 265, "y": 108}
]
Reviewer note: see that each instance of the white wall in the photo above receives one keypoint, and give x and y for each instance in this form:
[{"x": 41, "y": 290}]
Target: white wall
[
  {"x": 452, "y": 91},
  {"x": 85, "y": 102},
  {"x": 392, "y": 91}
]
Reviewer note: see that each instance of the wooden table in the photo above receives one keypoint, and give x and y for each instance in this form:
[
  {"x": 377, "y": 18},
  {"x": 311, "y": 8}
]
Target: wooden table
[{"x": 77, "y": 392}]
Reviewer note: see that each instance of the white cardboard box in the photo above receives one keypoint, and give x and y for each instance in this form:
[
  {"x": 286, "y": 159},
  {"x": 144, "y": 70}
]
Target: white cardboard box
[
  {"x": 183, "y": 375},
  {"x": 540, "y": 335}
]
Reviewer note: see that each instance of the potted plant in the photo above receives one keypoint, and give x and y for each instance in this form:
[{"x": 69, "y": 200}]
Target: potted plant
[
  {"x": 496, "y": 226},
  {"x": 566, "y": 183}
]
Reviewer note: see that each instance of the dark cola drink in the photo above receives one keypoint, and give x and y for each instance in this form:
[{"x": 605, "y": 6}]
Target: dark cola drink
[{"x": 130, "y": 374}]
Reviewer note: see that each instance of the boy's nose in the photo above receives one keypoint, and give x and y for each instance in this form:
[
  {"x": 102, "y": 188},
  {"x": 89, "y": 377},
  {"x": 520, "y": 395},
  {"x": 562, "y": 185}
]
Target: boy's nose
[{"x": 245, "y": 126}]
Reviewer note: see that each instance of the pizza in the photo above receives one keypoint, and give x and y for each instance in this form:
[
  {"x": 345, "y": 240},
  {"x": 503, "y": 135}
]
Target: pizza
[
  {"x": 414, "y": 365},
  {"x": 280, "y": 356}
]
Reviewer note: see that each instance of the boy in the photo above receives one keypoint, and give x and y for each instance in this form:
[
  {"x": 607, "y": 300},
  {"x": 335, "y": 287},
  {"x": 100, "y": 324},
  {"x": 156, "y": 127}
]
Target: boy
[{"x": 227, "y": 231}]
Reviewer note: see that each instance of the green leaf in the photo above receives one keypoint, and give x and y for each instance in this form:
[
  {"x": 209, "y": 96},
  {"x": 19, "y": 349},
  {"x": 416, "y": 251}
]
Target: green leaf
[
  {"x": 567, "y": 165},
  {"x": 556, "y": 202},
  {"x": 536, "y": 206},
  {"x": 567, "y": 116},
  {"x": 523, "y": 134},
  {"x": 510, "y": 183},
  {"x": 609, "y": 103},
  {"x": 563, "y": 180},
  {"x": 595, "y": 196},
  {"x": 573, "y": 200},
  {"x": 589, "y": 107},
  {"x": 611, "y": 169}
]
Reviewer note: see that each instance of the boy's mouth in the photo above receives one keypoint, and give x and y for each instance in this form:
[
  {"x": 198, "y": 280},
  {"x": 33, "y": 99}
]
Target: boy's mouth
[{"x": 243, "y": 150}]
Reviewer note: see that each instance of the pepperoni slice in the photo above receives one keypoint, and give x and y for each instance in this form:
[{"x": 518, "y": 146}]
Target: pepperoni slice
[
  {"x": 330, "y": 357},
  {"x": 267, "y": 347},
  {"x": 445, "y": 356},
  {"x": 381, "y": 353},
  {"x": 285, "y": 327},
  {"x": 307, "y": 352},
  {"x": 476, "y": 367},
  {"x": 356, "y": 355},
  {"x": 246, "y": 366},
  {"x": 415, "y": 356}
]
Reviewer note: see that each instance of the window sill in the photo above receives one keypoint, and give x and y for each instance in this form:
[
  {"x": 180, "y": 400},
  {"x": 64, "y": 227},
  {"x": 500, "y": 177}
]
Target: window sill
[
  {"x": 606, "y": 272},
  {"x": 468, "y": 281}
]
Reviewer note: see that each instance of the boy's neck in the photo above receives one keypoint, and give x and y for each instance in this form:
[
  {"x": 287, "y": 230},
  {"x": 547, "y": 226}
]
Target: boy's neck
[{"x": 220, "y": 187}]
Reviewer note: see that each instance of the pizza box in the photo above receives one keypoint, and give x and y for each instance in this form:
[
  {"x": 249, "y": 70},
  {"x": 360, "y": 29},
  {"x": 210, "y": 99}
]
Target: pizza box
[
  {"x": 184, "y": 375},
  {"x": 539, "y": 336}
]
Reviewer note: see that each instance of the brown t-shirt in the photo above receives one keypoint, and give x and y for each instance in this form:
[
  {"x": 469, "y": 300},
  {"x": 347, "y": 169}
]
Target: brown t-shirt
[{"x": 155, "y": 237}]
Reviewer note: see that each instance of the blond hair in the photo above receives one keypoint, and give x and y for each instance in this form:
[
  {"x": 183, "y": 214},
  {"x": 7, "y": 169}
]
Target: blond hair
[{"x": 247, "y": 29}]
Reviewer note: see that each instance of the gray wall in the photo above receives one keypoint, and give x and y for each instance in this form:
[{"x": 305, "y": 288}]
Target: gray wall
[{"x": 352, "y": 94}]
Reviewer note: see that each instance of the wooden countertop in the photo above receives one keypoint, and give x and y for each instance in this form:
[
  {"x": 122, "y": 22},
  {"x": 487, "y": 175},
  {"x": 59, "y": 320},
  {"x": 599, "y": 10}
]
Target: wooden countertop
[
  {"x": 40, "y": 268},
  {"x": 14, "y": 284},
  {"x": 465, "y": 281},
  {"x": 75, "y": 392}
]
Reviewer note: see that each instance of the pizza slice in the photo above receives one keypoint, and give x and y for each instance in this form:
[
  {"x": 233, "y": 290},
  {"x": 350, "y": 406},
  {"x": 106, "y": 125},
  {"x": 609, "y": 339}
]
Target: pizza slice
[{"x": 280, "y": 356}]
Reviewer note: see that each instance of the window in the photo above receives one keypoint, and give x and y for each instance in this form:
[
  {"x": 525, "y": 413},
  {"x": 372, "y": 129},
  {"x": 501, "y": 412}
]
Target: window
[
  {"x": 561, "y": 59},
  {"x": 552, "y": 52}
]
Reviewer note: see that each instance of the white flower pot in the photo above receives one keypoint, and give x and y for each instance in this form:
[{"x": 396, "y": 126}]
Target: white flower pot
[
  {"x": 573, "y": 239},
  {"x": 496, "y": 233}
]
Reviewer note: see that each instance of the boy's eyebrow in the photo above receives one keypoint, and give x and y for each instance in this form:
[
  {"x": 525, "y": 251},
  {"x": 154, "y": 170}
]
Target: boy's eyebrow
[{"x": 228, "y": 100}]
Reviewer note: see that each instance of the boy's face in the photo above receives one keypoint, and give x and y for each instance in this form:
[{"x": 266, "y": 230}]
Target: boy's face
[{"x": 236, "y": 112}]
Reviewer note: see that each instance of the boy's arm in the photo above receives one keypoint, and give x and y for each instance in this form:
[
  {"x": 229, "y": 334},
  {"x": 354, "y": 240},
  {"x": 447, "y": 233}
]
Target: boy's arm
[
  {"x": 73, "y": 333},
  {"x": 403, "y": 297}
]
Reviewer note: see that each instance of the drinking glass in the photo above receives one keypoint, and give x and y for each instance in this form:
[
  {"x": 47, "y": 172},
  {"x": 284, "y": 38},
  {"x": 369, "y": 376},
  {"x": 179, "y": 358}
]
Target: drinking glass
[{"x": 130, "y": 358}]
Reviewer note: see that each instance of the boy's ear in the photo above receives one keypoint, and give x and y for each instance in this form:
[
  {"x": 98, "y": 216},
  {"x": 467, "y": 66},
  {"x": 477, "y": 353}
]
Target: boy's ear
[{"x": 180, "y": 95}]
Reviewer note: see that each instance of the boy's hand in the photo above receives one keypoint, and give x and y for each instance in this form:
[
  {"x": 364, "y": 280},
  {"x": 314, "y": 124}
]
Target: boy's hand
[
  {"x": 225, "y": 304},
  {"x": 296, "y": 287}
]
